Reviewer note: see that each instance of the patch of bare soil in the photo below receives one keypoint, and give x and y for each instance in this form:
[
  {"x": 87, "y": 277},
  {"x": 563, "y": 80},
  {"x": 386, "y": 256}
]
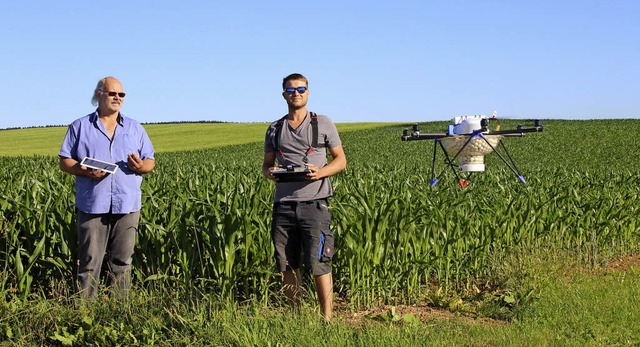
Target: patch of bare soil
[
  {"x": 624, "y": 263},
  {"x": 423, "y": 312}
]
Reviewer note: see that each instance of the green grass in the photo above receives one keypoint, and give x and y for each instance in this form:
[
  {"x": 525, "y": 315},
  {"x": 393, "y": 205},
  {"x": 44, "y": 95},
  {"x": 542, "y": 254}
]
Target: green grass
[
  {"x": 574, "y": 306},
  {"x": 165, "y": 137},
  {"x": 597, "y": 309}
]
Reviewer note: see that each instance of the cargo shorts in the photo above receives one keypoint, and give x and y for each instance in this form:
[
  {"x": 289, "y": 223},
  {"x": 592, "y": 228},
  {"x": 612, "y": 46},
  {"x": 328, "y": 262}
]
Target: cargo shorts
[{"x": 302, "y": 227}]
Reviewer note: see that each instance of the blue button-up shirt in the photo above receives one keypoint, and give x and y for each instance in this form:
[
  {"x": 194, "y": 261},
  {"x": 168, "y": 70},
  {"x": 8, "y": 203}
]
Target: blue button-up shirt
[{"x": 119, "y": 192}]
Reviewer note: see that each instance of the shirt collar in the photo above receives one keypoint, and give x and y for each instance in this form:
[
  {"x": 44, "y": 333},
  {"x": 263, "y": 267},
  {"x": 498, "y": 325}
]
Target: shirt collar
[{"x": 121, "y": 118}]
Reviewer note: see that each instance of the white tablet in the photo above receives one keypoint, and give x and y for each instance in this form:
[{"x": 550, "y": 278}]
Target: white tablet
[{"x": 99, "y": 165}]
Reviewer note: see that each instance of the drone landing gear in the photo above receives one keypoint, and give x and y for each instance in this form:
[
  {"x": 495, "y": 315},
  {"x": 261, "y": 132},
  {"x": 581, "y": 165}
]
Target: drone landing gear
[{"x": 451, "y": 162}]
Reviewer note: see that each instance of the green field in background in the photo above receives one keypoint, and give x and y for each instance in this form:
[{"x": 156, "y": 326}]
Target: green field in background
[{"x": 165, "y": 137}]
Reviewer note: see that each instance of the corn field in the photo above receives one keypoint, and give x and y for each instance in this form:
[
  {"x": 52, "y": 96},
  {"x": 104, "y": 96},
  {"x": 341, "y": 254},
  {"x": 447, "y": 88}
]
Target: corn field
[{"x": 206, "y": 214}]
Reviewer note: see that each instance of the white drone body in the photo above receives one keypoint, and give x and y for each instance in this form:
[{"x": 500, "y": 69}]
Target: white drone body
[{"x": 465, "y": 125}]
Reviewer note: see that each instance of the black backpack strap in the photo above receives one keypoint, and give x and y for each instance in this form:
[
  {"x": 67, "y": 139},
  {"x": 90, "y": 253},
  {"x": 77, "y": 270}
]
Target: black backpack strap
[
  {"x": 278, "y": 130},
  {"x": 314, "y": 130}
]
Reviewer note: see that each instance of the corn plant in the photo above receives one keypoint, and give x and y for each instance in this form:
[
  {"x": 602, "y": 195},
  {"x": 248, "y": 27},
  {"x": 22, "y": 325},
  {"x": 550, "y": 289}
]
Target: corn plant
[{"x": 206, "y": 214}]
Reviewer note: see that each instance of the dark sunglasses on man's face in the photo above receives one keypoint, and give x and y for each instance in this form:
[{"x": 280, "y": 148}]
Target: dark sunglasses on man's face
[
  {"x": 300, "y": 90},
  {"x": 121, "y": 94}
]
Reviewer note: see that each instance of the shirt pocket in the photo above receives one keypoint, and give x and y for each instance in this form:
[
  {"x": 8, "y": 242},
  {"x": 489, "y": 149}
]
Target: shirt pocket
[{"x": 129, "y": 144}]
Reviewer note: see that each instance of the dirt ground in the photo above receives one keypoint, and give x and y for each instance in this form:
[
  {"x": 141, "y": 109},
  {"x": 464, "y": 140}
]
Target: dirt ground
[
  {"x": 625, "y": 262},
  {"x": 422, "y": 312},
  {"x": 428, "y": 313}
]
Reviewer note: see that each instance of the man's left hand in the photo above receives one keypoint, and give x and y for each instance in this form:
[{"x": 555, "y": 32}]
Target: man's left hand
[
  {"x": 134, "y": 162},
  {"x": 313, "y": 175}
]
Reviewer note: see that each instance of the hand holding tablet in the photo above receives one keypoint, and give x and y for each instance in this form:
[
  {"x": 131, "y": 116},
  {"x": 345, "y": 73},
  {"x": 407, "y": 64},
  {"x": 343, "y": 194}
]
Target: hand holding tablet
[{"x": 99, "y": 165}]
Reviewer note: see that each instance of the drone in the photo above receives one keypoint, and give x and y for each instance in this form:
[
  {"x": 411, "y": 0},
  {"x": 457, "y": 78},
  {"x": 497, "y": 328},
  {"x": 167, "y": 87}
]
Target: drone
[{"x": 466, "y": 141}]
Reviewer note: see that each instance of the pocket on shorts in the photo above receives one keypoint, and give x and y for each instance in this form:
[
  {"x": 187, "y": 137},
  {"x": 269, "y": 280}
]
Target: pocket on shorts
[{"x": 326, "y": 250}]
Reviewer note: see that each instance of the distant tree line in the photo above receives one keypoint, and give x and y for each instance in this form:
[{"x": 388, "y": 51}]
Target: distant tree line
[
  {"x": 189, "y": 121},
  {"x": 173, "y": 122}
]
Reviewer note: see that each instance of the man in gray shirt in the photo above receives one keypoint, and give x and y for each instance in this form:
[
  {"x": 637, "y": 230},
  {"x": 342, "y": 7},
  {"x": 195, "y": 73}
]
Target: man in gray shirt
[{"x": 301, "y": 218}]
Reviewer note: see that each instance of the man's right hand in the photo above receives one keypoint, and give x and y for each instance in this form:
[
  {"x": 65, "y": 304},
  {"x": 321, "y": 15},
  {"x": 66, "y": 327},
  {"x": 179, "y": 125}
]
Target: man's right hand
[
  {"x": 73, "y": 167},
  {"x": 94, "y": 174},
  {"x": 269, "y": 173}
]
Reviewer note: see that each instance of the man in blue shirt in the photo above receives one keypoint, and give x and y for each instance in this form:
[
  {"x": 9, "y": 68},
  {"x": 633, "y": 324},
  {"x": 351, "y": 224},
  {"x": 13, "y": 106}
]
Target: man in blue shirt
[{"x": 107, "y": 204}]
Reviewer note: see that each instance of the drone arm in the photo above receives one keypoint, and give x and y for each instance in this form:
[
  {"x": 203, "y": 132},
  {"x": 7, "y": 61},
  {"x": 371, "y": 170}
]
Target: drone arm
[
  {"x": 427, "y": 136},
  {"x": 516, "y": 132}
]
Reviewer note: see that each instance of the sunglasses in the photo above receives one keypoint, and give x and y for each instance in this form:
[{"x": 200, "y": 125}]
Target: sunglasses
[
  {"x": 300, "y": 90},
  {"x": 120, "y": 94}
]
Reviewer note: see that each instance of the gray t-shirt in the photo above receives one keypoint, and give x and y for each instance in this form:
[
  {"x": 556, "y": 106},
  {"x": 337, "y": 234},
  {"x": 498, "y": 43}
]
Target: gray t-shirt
[{"x": 294, "y": 143}]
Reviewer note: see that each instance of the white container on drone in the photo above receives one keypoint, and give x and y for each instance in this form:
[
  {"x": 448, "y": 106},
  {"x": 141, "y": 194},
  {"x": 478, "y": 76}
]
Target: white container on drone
[
  {"x": 471, "y": 158},
  {"x": 466, "y": 124}
]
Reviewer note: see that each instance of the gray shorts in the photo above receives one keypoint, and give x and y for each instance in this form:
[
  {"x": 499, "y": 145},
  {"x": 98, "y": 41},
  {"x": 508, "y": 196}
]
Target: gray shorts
[{"x": 302, "y": 227}]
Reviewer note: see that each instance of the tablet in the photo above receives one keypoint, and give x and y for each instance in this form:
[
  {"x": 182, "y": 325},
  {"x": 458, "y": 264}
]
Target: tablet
[
  {"x": 99, "y": 165},
  {"x": 296, "y": 175}
]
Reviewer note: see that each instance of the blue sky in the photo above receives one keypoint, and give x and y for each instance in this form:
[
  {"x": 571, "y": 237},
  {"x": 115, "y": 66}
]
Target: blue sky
[{"x": 366, "y": 60}]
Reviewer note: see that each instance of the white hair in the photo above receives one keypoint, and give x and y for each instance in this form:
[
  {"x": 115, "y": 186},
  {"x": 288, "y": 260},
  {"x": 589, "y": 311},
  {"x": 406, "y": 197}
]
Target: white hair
[{"x": 99, "y": 86}]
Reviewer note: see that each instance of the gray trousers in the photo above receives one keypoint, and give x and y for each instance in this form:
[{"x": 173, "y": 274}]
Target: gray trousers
[{"x": 110, "y": 234}]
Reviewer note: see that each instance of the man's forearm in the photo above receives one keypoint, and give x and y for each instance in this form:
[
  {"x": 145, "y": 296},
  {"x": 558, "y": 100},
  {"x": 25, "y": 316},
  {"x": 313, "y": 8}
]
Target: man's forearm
[{"x": 72, "y": 166}]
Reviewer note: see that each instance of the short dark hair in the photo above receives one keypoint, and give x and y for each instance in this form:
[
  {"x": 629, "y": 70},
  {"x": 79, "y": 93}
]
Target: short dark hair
[{"x": 292, "y": 77}]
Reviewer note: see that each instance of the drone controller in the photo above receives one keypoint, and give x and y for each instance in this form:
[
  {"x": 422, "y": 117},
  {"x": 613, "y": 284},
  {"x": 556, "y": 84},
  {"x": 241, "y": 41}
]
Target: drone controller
[{"x": 291, "y": 173}]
